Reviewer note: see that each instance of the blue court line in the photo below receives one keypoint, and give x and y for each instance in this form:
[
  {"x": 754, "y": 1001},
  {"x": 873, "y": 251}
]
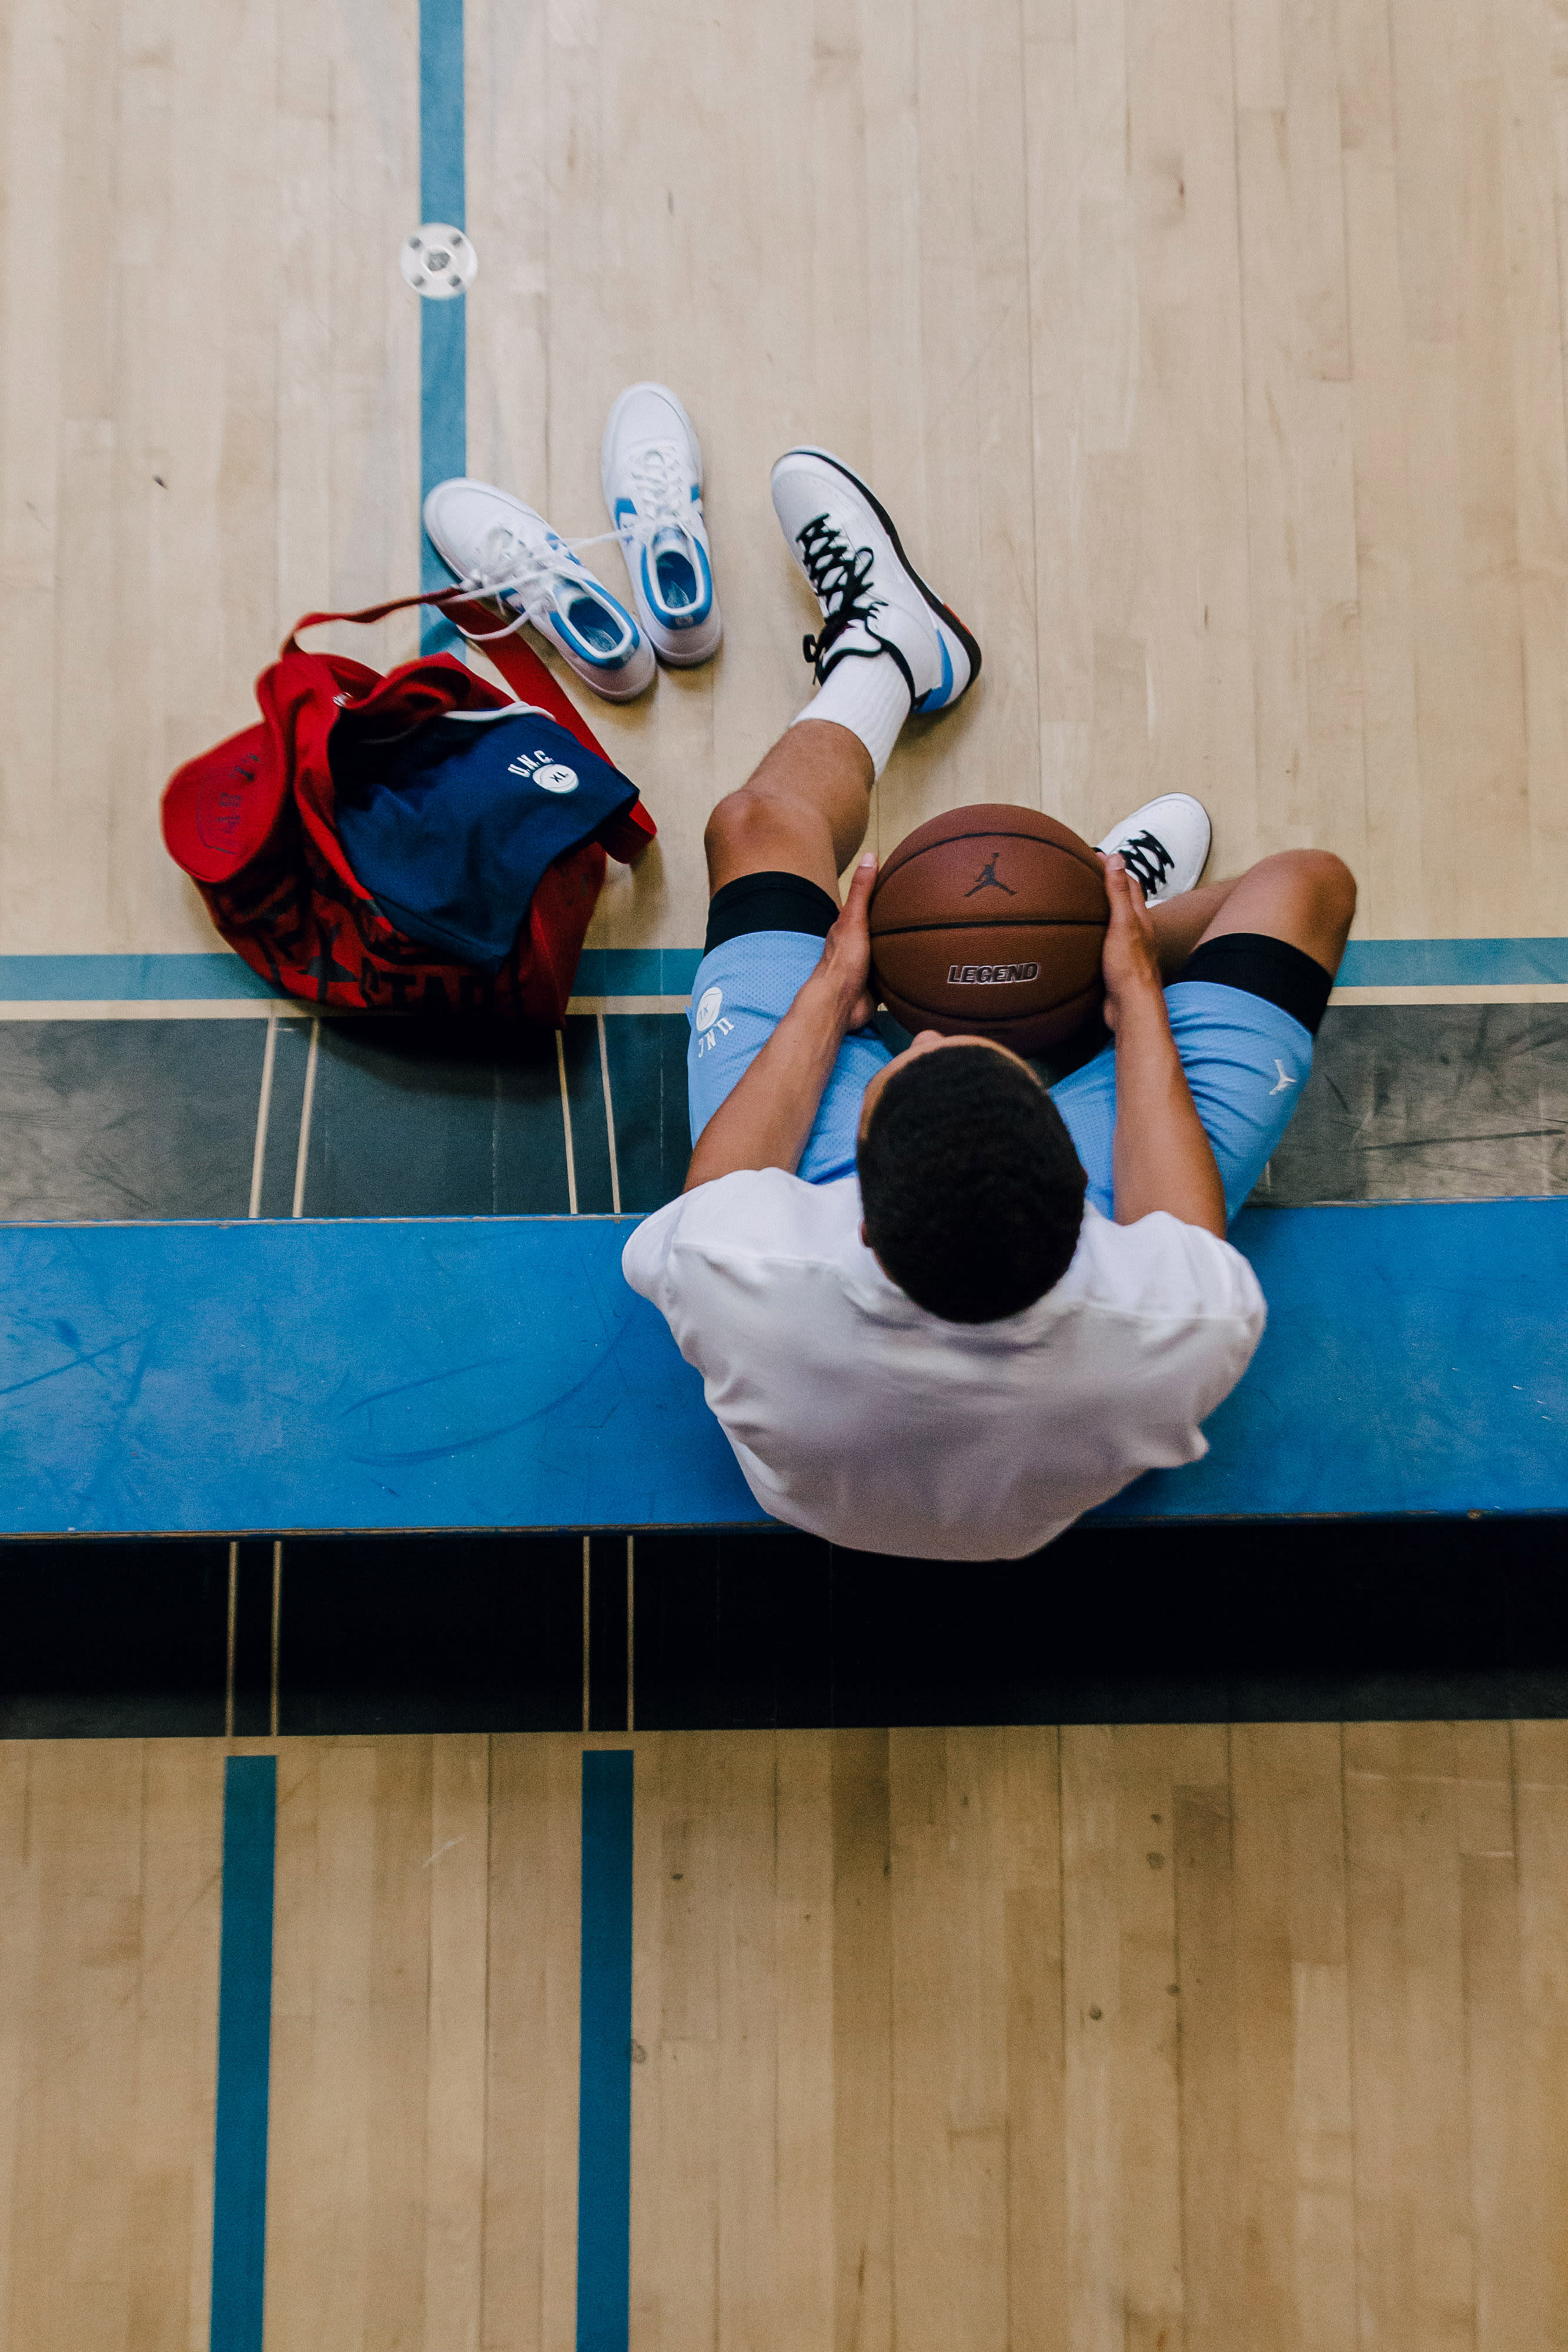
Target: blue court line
[
  {"x": 636, "y": 971},
  {"x": 244, "y": 2044},
  {"x": 604, "y": 2077},
  {"x": 670, "y": 971},
  {"x": 443, "y": 326},
  {"x": 215, "y": 978},
  {"x": 126, "y": 979},
  {"x": 1453, "y": 964}
]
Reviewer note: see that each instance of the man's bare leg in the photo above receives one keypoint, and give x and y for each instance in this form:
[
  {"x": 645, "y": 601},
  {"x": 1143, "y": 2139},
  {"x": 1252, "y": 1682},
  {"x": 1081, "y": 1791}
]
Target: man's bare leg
[
  {"x": 804, "y": 810},
  {"x": 1180, "y": 923},
  {"x": 1304, "y": 896}
]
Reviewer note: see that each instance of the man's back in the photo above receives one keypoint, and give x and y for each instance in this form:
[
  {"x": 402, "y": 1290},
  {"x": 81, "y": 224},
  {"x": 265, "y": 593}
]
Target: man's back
[{"x": 857, "y": 1415}]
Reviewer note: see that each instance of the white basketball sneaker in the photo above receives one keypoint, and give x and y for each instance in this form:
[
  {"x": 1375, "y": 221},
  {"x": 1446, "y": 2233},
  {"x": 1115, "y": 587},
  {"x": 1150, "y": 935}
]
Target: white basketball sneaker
[
  {"x": 1165, "y": 844},
  {"x": 872, "y": 599},
  {"x": 514, "y": 562},
  {"x": 651, "y": 469}
]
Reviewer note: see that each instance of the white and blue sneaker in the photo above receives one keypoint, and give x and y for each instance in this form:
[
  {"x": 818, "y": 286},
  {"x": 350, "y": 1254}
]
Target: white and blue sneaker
[
  {"x": 1165, "y": 844},
  {"x": 514, "y": 562},
  {"x": 651, "y": 469},
  {"x": 872, "y": 599}
]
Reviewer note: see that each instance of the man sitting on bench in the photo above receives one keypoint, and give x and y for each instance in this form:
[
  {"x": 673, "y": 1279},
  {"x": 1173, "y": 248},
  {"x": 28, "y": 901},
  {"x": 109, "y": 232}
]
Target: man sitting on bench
[{"x": 939, "y": 1310}]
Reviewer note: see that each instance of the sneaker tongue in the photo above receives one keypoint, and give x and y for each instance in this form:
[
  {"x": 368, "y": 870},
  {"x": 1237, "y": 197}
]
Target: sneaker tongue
[
  {"x": 671, "y": 539},
  {"x": 500, "y": 553}
]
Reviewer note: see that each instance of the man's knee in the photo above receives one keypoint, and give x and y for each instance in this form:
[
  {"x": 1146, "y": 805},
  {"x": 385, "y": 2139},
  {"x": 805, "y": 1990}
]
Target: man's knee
[
  {"x": 725, "y": 817},
  {"x": 747, "y": 830},
  {"x": 1328, "y": 880},
  {"x": 735, "y": 822},
  {"x": 1317, "y": 878}
]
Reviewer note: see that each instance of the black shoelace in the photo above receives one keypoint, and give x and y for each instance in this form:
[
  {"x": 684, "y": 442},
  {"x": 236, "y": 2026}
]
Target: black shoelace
[
  {"x": 840, "y": 575},
  {"x": 1149, "y": 859}
]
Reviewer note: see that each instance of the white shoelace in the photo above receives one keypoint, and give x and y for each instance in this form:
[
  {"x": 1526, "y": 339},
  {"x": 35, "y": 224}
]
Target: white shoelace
[
  {"x": 510, "y": 566},
  {"x": 660, "y": 479}
]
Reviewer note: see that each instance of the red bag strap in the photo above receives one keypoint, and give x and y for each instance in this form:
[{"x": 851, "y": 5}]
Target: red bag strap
[
  {"x": 519, "y": 664},
  {"x": 371, "y": 612}
]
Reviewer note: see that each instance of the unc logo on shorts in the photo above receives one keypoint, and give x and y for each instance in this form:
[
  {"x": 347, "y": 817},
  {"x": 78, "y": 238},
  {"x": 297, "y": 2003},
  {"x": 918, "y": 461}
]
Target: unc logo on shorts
[
  {"x": 709, "y": 1022},
  {"x": 550, "y": 775}
]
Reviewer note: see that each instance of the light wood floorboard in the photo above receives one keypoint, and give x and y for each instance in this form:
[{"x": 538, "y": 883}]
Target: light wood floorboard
[
  {"x": 1210, "y": 356},
  {"x": 1013, "y": 2041}
]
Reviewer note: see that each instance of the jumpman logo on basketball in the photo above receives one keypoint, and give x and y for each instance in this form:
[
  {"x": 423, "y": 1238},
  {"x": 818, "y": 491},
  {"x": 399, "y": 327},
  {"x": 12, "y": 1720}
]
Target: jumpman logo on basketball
[{"x": 989, "y": 879}]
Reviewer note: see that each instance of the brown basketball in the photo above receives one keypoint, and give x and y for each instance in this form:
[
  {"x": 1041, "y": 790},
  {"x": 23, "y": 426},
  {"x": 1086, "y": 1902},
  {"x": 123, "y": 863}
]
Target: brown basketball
[{"x": 988, "y": 922}]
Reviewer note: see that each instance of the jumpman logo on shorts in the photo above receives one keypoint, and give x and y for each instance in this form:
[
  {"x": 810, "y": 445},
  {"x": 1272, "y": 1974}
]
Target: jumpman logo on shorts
[
  {"x": 1285, "y": 1077},
  {"x": 989, "y": 879}
]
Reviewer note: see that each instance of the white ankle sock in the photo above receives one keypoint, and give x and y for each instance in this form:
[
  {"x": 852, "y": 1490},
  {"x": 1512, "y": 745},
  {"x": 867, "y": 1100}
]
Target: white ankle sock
[{"x": 870, "y": 698}]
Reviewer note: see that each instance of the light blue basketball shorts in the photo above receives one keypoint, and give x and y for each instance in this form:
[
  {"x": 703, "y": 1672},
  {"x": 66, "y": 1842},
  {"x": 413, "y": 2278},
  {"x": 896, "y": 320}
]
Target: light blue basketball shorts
[{"x": 1246, "y": 1061}]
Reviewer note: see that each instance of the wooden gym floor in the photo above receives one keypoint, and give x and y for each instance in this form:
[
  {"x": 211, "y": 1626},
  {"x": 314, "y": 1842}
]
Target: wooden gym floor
[
  {"x": 1210, "y": 352},
  {"x": 1103, "y": 2039},
  {"x": 1212, "y": 356}
]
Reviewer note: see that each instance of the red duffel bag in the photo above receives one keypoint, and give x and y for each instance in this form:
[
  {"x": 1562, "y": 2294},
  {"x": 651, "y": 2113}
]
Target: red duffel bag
[{"x": 253, "y": 824}]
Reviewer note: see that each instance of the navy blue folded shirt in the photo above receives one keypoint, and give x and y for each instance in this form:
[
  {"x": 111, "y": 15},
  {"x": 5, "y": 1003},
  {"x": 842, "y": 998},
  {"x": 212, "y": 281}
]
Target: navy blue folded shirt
[{"x": 450, "y": 827}]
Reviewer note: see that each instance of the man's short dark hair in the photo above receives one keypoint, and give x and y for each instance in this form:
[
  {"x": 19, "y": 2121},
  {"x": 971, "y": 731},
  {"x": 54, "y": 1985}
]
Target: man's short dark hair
[{"x": 972, "y": 1192}]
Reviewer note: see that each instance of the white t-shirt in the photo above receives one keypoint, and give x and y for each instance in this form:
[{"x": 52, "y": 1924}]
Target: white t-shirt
[{"x": 855, "y": 1414}]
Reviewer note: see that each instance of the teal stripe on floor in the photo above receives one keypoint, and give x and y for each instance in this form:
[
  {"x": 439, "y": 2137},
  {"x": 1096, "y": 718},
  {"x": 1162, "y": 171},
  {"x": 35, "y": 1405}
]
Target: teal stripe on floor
[
  {"x": 670, "y": 971},
  {"x": 604, "y": 2092},
  {"x": 126, "y": 979},
  {"x": 217, "y": 978},
  {"x": 443, "y": 326},
  {"x": 1454, "y": 964},
  {"x": 245, "y": 2052},
  {"x": 636, "y": 971}
]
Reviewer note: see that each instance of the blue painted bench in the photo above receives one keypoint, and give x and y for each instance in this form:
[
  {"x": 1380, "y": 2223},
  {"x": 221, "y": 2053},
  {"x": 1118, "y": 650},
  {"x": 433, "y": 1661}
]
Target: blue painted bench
[{"x": 225, "y": 1379}]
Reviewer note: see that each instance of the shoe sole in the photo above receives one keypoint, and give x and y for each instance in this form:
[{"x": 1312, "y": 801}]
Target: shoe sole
[
  {"x": 944, "y": 613},
  {"x": 595, "y": 681},
  {"x": 673, "y": 659}
]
